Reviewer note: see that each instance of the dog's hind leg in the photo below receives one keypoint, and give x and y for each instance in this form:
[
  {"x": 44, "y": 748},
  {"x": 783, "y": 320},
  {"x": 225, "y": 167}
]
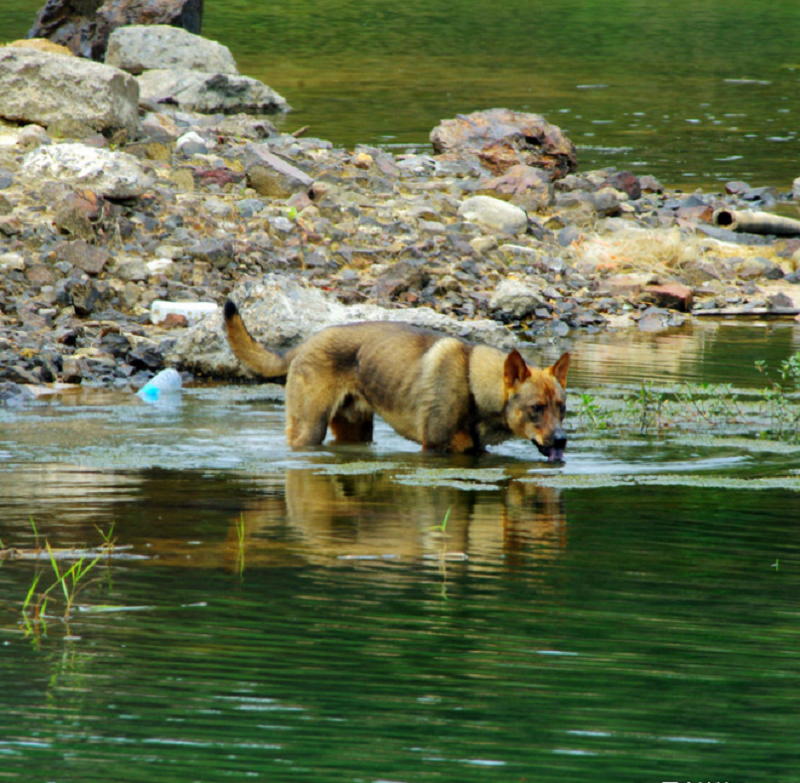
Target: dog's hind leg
[
  {"x": 347, "y": 429},
  {"x": 352, "y": 421}
]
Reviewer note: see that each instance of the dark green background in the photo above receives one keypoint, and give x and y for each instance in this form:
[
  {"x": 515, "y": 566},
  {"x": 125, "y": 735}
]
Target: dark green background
[{"x": 374, "y": 72}]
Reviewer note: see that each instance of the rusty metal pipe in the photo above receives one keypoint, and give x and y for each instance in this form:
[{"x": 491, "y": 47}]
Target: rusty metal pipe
[{"x": 756, "y": 222}]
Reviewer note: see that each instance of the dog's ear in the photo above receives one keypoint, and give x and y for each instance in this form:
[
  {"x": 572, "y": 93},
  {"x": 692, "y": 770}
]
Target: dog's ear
[
  {"x": 559, "y": 370},
  {"x": 515, "y": 369}
]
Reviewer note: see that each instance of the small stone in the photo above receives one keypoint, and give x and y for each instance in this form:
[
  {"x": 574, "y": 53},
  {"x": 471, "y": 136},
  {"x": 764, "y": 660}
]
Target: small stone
[
  {"x": 249, "y": 207},
  {"x": 780, "y": 301},
  {"x": 627, "y": 183},
  {"x": 483, "y": 245},
  {"x": 494, "y": 214},
  {"x": 71, "y": 370},
  {"x": 10, "y": 225},
  {"x": 131, "y": 269},
  {"x": 218, "y": 252},
  {"x": 174, "y": 321},
  {"x": 88, "y": 258},
  {"x": 271, "y": 175},
  {"x": 513, "y": 299},
  {"x": 12, "y": 262},
  {"x": 753, "y": 268},
  {"x": 191, "y": 144},
  {"x": 363, "y": 160},
  {"x": 673, "y": 296},
  {"x": 160, "y": 266},
  {"x": 650, "y": 184},
  {"x": 568, "y": 235}
]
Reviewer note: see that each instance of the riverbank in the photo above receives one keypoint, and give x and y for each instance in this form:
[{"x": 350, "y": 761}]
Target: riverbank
[{"x": 209, "y": 205}]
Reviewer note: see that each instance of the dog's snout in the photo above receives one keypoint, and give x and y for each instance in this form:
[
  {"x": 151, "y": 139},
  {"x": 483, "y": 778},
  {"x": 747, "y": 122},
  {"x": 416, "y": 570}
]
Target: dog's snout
[{"x": 560, "y": 438}]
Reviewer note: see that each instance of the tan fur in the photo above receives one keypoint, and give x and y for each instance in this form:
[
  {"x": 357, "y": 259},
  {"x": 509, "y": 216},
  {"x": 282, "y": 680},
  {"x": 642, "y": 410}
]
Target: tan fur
[{"x": 439, "y": 391}]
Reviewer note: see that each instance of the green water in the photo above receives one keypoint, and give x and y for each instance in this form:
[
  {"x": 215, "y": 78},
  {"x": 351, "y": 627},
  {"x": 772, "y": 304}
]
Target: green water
[
  {"x": 629, "y": 616},
  {"x": 694, "y": 93}
]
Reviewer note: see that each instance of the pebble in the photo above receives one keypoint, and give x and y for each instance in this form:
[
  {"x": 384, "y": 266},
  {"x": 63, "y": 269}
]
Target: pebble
[{"x": 82, "y": 261}]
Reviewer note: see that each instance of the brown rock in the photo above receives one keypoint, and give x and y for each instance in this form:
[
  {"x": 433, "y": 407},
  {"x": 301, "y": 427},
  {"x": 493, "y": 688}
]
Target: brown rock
[
  {"x": 10, "y": 225},
  {"x": 217, "y": 176},
  {"x": 624, "y": 285},
  {"x": 174, "y": 321},
  {"x": 650, "y": 184},
  {"x": 83, "y": 256},
  {"x": 71, "y": 370},
  {"x": 88, "y": 296},
  {"x": 80, "y": 214},
  {"x": 626, "y": 182},
  {"x": 398, "y": 279},
  {"x": 272, "y": 176},
  {"x": 523, "y": 186},
  {"x": 698, "y": 212},
  {"x": 502, "y": 138},
  {"x": 673, "y": 296},
  {"x": 39, "y": 274}
]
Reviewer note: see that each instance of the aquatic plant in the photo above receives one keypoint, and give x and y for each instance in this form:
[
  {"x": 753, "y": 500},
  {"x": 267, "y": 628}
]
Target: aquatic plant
[
  {"x": 771, "y": 413},
  {"x": 240, "y": 548},
  {"x": 69, "y": 582},
  {"x": 591, "y": 414},
  {"x": 781, "y": 399},
  {"x": 442, "y": 528},
  {"x": 645, "y": 406}
]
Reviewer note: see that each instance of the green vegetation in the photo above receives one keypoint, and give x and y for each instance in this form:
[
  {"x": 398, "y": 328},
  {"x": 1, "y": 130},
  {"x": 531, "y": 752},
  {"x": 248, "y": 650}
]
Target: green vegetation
[
  {"x": 71, "y": 569},
  {"x": 772, "y": 413},
  {"x": 442, "y": 529},
  {"x": 240, "y": 536}
]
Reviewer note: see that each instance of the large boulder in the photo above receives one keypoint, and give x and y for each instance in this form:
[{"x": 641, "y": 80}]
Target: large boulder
[
  {"x": 85, "y": 25},
  {"x": 148, "y": 47},
  {"x": 209, "y": 93},
  {"x": 501, "y": 138},
  {"x": 59, "y": 89},
  {"x": 281, "y": 313},
  {"x": 109, "y": 174}
]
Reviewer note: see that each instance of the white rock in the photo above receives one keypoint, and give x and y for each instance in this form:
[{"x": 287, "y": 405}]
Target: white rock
[
  {"x": 494, "y": 214},
  {"x": 33, "y": 136},
  {"x": 10, "y": 262},
  {"x": 160, "y": 265},
  {"x": 45, "y": 88},
  {"x": 210, "y": 92},
  {"x": 138, "y": 48},
  {"x": 280, "y": 312},
  {"x": 515, "y": 299},
  {"x": 192, "y": 137},
  {"x": 111, "y": 174}
]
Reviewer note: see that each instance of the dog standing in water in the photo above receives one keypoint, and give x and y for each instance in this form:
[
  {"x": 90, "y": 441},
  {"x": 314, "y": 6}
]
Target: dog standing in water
[{"x": 439, "y": 391}]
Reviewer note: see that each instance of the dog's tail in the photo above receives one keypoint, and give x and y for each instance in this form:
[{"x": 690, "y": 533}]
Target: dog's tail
[{"x": 269, "y": 364}]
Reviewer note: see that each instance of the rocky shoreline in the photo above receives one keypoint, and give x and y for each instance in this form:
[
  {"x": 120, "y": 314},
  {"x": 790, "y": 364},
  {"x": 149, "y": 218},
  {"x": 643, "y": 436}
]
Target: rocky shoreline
[{"x": 193, "y": 205}]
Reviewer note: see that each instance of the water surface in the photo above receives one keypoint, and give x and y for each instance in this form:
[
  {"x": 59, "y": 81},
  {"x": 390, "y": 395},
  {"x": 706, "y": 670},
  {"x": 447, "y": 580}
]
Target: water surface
[
  {"x": 694, "y": 93},
  {"x": 630, "y": 615}
]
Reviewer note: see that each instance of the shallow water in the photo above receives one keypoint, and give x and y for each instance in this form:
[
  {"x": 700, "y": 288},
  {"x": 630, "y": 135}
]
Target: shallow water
[
  {"x": 630, "y": 615},
  {"x": 694, "y": 93}
]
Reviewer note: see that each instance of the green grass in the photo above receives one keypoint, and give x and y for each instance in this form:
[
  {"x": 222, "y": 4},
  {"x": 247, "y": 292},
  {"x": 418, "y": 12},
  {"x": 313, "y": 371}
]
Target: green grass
[
  {"x": 770, "y": 413},
  {"x": 70, "y": 579}
]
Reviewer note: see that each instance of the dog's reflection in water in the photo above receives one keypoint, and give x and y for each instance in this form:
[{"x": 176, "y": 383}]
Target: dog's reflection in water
[{"x": 373, "y": 514}]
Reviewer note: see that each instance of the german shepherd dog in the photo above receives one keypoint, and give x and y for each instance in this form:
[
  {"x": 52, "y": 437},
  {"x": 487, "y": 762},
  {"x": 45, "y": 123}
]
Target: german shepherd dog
[{"x": 440, "y": 391}]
